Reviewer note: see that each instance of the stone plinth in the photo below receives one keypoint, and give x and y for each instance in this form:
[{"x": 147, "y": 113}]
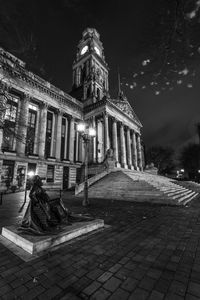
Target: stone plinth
[{"x": 35, "y": 244}]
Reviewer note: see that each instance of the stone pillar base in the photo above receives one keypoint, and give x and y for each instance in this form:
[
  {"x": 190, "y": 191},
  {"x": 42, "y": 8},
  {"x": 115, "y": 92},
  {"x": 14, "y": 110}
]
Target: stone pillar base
[
  {"x": 125, "y": 166},
  {"x": 118, "y": 165}
]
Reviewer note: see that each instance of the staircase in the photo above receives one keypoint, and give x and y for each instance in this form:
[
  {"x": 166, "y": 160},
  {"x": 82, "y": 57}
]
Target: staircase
[{"x": 141, "y": 187}]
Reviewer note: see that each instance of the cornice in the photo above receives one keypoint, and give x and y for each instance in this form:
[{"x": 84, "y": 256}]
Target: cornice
[
  {"x": 16, "y": 69},
  {"x": 106, "y": 101}
]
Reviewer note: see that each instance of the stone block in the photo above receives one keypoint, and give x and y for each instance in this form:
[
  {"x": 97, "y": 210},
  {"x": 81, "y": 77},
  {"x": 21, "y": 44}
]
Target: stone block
[{"x": 35, "y": 244}]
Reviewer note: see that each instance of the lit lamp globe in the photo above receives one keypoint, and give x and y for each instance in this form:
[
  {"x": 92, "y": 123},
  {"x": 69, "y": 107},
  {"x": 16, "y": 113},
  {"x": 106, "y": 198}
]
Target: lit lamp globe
[
  {"x": 31, "y": 173},
  {"x": 92, "y": 132},
  {"x": 81, "y": 127}
]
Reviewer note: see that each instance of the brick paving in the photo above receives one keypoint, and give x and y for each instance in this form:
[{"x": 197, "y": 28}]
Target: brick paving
[{"x": 149, "y": 252}]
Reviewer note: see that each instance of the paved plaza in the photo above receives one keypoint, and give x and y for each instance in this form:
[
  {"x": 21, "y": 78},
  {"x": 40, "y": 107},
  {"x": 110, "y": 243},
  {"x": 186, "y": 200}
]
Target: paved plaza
[{"x": 148, "y": 252}]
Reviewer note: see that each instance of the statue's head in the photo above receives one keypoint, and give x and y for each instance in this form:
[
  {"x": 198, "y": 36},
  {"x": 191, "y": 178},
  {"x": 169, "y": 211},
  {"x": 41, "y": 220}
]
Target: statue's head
[{"x": 36, "y": 180}]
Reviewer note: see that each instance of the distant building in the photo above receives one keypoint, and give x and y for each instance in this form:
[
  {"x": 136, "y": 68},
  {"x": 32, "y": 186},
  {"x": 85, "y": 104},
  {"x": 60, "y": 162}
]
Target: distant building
[{"x": 40, "y": 120}]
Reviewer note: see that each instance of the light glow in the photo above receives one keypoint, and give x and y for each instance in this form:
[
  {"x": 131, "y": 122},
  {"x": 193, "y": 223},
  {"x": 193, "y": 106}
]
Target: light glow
[
  {"x": 84, "y": 50},
  {"x": 31, "y": 173},
  {"x": 81, "y": 127},
  {"x": 97, "y": 50},
  {"x": 91, "y": 131}
]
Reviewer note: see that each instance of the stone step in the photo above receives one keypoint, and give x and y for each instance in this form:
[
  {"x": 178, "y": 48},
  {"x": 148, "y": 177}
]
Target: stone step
[
  {"x": 186, "y": 197},
  {"x": 179, "y": 196},
  {"x": 130, "y": 185},
  {"x": 114, "y": 195},
  {"x": 166, "y": 189},
  {"x": 185, "y": 201},
  {"x": 179, "y": 192}
]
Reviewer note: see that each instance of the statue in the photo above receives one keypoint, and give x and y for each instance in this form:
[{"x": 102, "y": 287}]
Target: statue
[
  {"x": 43, "y": 215},
  {"x": 151, "y": 169},
  {"x": 110, "y": 154},
  {"x": 109, "y": 160}
]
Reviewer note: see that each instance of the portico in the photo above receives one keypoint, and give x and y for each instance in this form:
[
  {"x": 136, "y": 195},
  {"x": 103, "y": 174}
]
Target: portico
[{"x": 116, "y": 131}]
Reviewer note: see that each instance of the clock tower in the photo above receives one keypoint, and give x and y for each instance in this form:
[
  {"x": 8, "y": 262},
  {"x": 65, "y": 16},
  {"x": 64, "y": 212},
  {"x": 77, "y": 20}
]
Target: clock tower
[{"x": 90, "y": 71}]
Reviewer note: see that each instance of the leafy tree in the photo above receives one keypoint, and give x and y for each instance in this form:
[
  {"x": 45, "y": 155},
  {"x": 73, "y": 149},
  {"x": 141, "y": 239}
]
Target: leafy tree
[
  {"x": 162, "y": 157},
  {"x": 190, "y": 159}
]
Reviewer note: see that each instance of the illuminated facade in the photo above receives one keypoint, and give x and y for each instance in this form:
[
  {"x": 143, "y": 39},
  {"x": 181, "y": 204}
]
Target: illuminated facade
[{"x": 40, "y": 120}]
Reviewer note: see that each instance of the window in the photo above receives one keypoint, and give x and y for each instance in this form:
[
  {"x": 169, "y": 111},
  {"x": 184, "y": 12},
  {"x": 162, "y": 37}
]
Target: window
[
  {"x": 49, "y": 134},
  {"x": 50, "y": 173},
  {"x": 63, "y": 138},
  {"x": 10, "y": 123},
  {"x": 30, "y": 137},
  {"x": 98, "y": 94}
]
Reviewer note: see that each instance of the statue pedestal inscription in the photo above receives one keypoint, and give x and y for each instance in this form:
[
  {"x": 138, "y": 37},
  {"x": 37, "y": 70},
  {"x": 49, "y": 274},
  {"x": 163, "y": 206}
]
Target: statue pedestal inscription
[{"x": 34, "y": 244}]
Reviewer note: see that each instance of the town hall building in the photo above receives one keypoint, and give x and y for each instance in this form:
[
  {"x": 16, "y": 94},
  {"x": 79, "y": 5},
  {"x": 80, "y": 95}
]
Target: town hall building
[{"x": 38, "y": 122}]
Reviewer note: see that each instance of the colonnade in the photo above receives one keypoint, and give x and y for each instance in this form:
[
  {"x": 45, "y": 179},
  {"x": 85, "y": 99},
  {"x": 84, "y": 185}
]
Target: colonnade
[
  {"x": 110, "y": 133},
  {"x": 72, "y": 141},
  {"x": 124, "y": 141}
]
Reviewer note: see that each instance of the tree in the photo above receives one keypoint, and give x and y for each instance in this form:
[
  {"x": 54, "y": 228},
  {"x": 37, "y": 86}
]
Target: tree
[
  {"x": 162, "y": 157},
  {"x": 16, "y": 37},
  {"x": 190, "y": 160},
  {"x": 198, "y": 130}
]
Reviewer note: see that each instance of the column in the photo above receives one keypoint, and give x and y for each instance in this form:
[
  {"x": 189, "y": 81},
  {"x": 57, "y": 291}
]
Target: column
[
  {"x": 80, "y": 147},
  {"x": 66, "y": 139},
  {"x": 106, "y": 134},
  {"x": 43, "y": 127},
  {"x": 94, "y": 140},
  {"x": 71, "y": 140},
  {"x": 139, "y": 153},
  {"x": 22, "y": 121},
  {"x": 115, "y": 143},
  {"x": 122, "y": 145},
  {"x": 1, "y": 139},
  {"x": 77, "y": 144},
  {"x": 134, "y": 151},
  {"x": 58, "y": 134},
  {"x": 53, "y": 134},
  {"x": 129, "y": 158},
  {"x": 3, "y": 100},
  {"x": 36, "y": 140},
  {"x": 97, "y": 138}
]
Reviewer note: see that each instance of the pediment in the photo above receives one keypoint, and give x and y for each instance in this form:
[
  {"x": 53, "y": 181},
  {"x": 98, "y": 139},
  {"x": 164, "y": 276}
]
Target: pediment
[{"x": 126, "y": 108}]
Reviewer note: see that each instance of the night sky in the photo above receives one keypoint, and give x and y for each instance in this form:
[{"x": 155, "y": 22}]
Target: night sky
[{"x": 154, "y": 43}]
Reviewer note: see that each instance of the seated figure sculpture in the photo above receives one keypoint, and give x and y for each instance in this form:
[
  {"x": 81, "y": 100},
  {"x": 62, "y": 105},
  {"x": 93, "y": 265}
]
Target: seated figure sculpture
[{"x": 43, "y": 215}]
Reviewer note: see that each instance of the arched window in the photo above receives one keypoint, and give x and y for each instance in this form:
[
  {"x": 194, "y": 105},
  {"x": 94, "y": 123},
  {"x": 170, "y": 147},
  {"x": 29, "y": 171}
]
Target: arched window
[
  {"x": 88, "y": 92},
  {"x": 98, "y": 94}
]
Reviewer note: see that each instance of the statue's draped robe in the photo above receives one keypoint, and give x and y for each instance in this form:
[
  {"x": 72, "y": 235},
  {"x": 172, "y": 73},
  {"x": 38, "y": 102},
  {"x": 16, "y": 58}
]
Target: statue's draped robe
[{"x": 43, "y": 214}]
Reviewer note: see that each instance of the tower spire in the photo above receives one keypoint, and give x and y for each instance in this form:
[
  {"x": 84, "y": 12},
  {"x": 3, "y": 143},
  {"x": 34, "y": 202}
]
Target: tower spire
[
  {"x": 120, "y": 92},
  {"x": 119, "y": 83}
]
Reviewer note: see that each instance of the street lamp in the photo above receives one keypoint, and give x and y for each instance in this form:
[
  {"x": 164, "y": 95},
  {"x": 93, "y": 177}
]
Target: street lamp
[
  {"x": 87, "y": 133},
  {"x": 30, "y": 174}
]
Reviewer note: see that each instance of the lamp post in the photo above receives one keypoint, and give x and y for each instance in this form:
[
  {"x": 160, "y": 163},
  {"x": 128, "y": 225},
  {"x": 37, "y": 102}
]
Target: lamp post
[
  {"x": 29, "y": 175},
  {"x": 87, "y": 133}
]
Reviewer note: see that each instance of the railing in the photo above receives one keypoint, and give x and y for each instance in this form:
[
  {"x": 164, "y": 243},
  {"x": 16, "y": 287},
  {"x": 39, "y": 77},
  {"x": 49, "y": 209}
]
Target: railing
[{"x": 79, "y": 188}]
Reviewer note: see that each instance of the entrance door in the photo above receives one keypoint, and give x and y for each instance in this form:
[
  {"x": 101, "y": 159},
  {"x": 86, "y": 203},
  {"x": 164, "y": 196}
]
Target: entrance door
[{"x": 65, "y": 177}]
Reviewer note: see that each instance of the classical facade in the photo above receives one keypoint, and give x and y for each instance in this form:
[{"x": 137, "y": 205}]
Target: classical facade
[{"x": 39, "y": 131}]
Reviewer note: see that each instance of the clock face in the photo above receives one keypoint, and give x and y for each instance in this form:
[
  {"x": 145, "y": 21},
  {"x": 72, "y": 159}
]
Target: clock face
[
  {"x": 84, "y": 50},
  {"x": 97, "y": 50}
]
